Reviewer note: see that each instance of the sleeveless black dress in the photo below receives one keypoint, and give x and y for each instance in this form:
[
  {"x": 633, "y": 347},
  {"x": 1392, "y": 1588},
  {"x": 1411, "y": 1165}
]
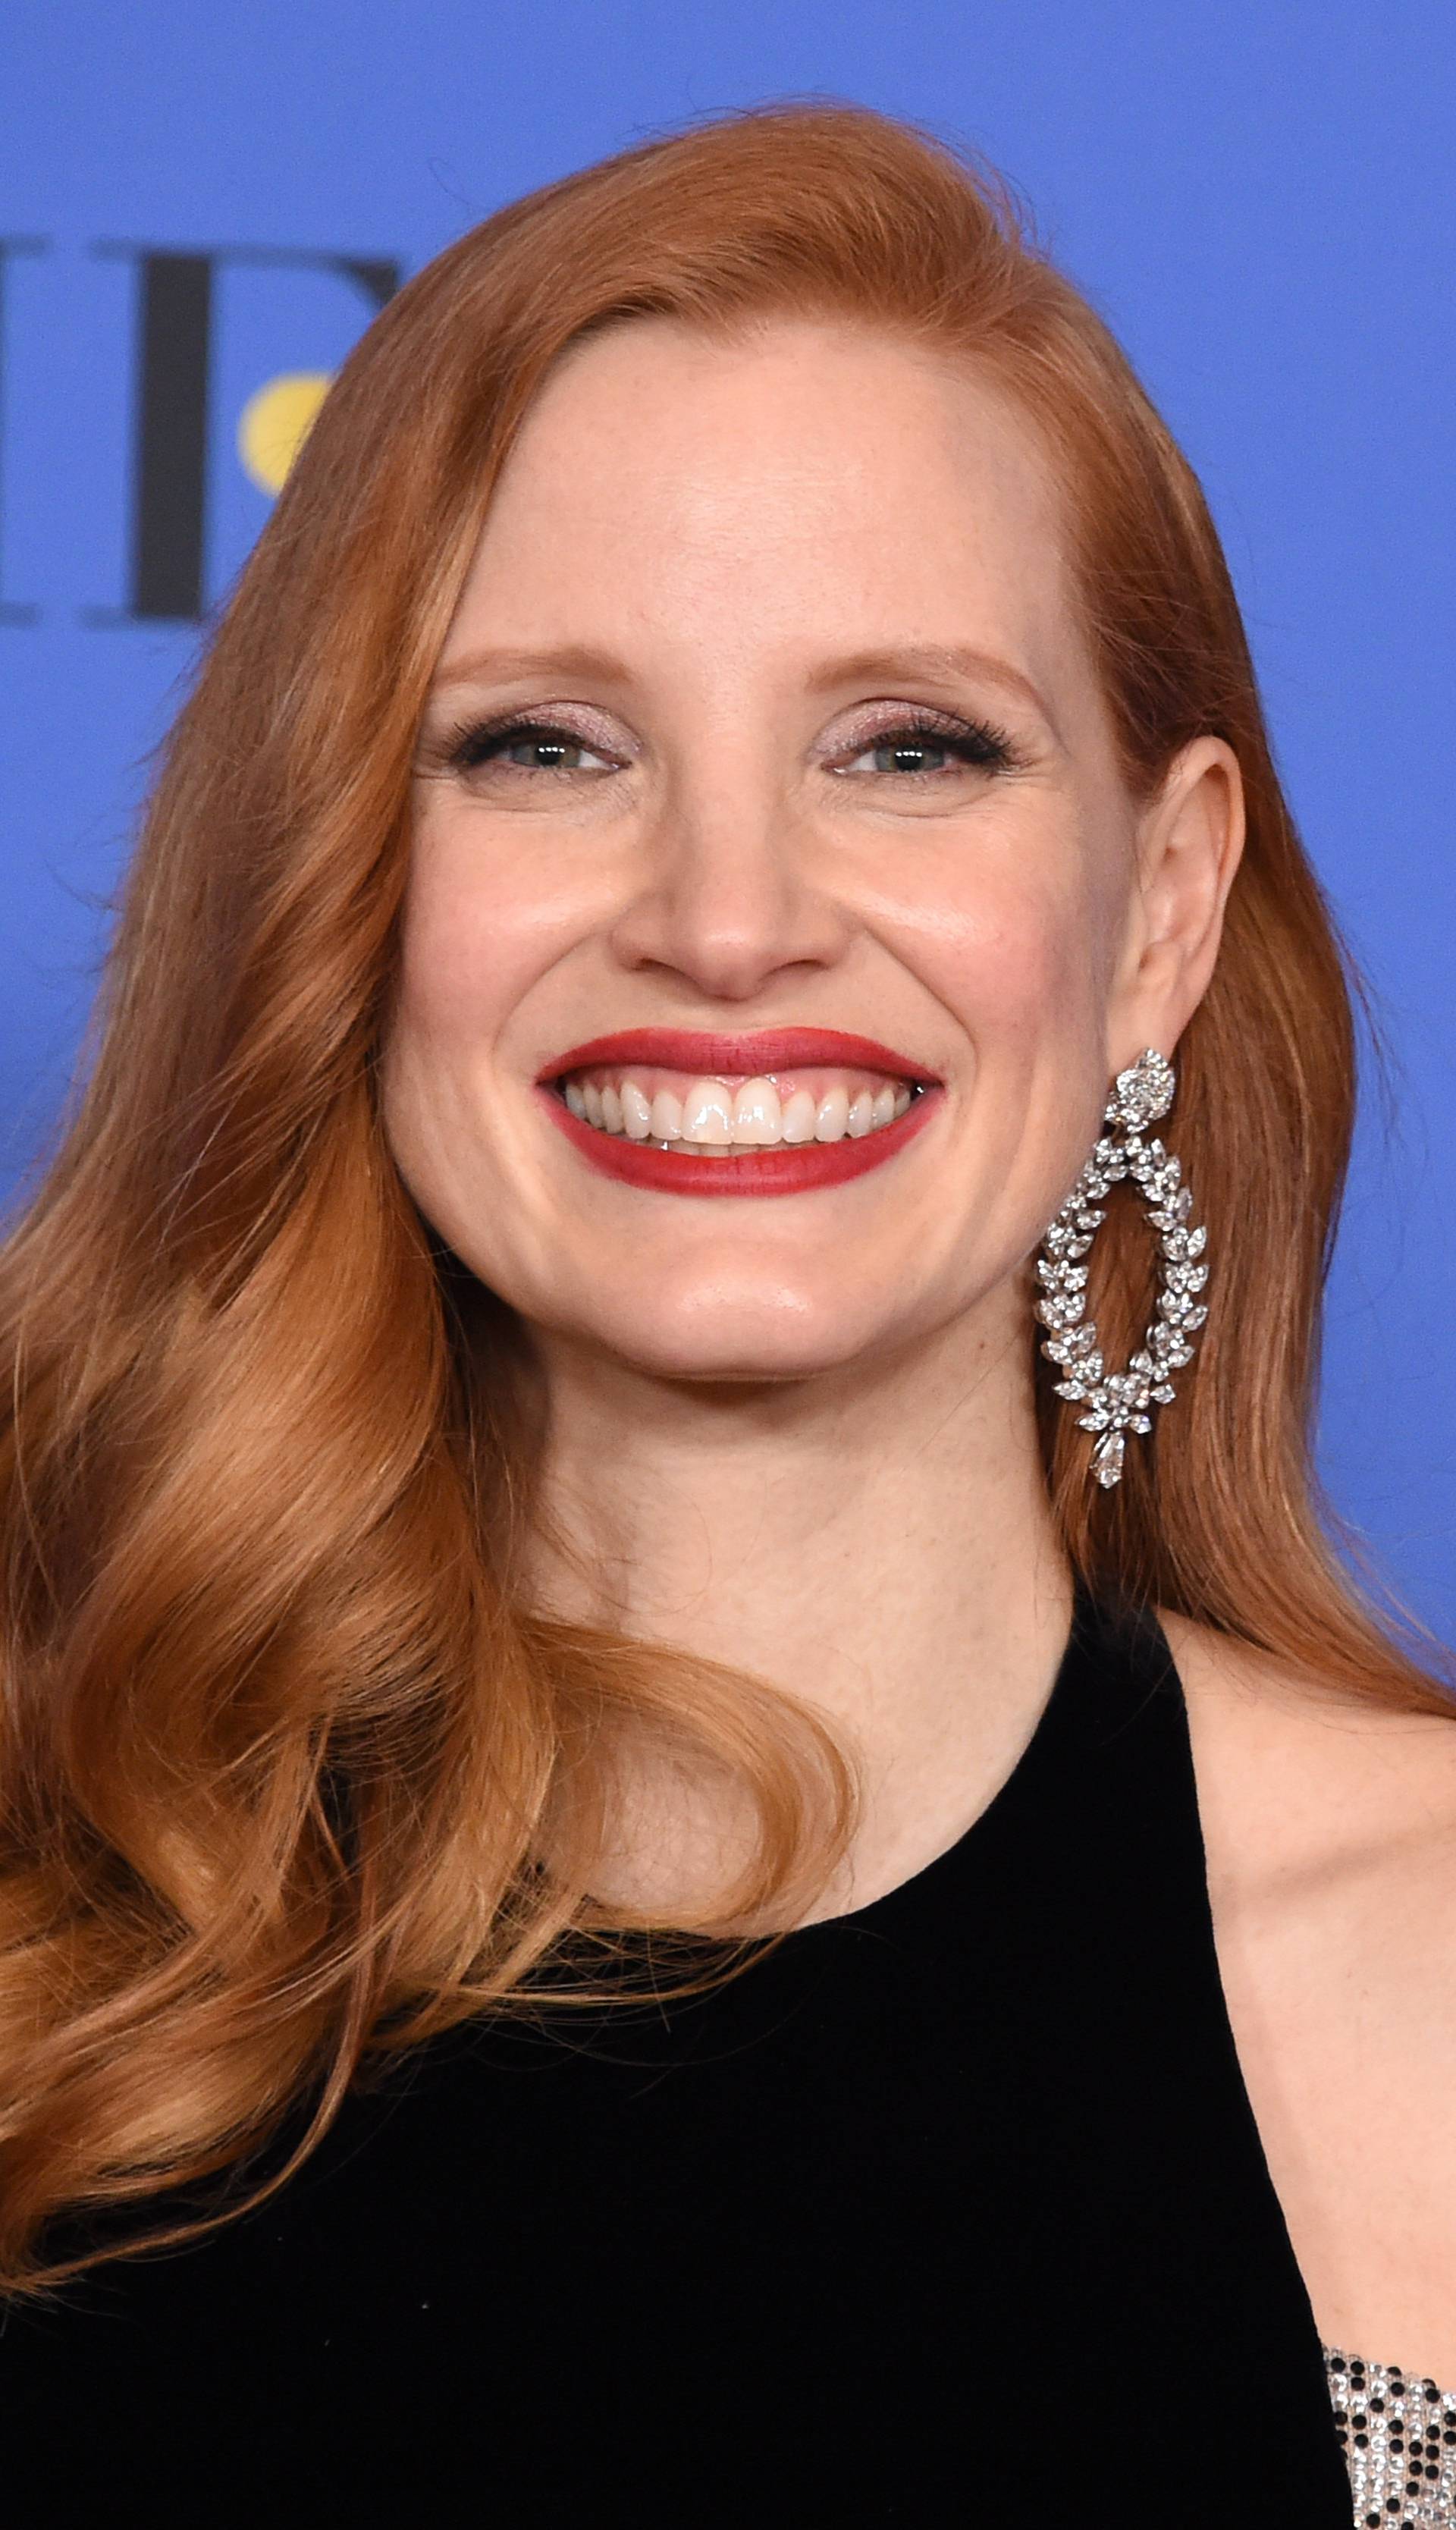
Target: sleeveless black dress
[{"x": 952, "y": 2210}]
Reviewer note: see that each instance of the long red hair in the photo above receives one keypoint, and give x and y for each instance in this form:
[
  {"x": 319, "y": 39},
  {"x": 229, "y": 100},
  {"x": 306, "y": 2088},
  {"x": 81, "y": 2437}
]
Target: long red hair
[{"x": 293, "y": 1776}]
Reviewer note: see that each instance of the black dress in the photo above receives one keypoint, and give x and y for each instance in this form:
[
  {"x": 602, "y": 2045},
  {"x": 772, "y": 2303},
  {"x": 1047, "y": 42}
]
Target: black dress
[{"x": 952, "y": 2210}]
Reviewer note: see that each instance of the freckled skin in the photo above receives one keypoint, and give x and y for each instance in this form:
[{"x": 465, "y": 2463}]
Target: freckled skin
[
  {"x": 724, "y": 523},
  {"x": 796, "y": 1434}
]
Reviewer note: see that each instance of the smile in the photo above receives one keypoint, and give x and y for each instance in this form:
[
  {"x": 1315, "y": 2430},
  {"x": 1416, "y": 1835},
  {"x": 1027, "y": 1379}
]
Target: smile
[{"x": 678, "y": 1127}]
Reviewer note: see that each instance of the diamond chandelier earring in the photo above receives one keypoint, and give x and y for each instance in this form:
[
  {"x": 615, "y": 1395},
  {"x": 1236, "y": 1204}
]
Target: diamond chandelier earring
[{"x": 1117, "y": 1403}]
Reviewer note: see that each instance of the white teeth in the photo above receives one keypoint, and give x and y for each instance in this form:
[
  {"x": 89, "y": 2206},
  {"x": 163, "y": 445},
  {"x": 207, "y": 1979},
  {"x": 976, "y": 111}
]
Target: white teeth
[
  {"x": 715, "y": 1120},
  {"x": 636, "y": 1114},
  {"x": 707, "y": 1113},
  {"x": 832, "y": 1118},
  {"x": 757, "y": 1114},
  {"x": 798, "y": 1117},
  {"x": 666, "y": 1117}
]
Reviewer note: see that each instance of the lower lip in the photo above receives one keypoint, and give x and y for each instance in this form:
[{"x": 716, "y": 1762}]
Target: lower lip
[{"x": 785, "y": 1169}]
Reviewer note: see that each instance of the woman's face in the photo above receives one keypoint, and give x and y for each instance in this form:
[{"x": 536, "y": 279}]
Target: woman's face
[{"x": 764, "y": 710}]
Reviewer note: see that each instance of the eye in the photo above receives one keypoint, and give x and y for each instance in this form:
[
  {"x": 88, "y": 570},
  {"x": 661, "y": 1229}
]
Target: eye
[
  {"x": 929, "y": 744},
  {"x": 523, "y": 746}
]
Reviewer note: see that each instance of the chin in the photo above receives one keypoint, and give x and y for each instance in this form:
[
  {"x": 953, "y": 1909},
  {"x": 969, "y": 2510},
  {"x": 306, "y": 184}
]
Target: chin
[{"x": 753, "y": 1347}]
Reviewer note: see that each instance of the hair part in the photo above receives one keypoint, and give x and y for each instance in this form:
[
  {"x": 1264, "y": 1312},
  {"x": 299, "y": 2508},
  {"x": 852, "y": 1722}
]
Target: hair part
[{"x": 293, "y": 1777}]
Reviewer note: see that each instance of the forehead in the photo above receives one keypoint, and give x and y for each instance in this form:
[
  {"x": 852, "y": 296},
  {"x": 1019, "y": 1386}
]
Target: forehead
[{"x": 785, "y": 484}]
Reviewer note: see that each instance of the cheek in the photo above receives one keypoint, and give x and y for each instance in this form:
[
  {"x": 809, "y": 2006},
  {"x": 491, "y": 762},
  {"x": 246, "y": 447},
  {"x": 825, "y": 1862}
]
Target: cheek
[
  {"x": 464, "y": 965},
  {"x": 1025, "y": 958},
  {"x": 1023, "y": 963},
  {"x": 477, "y": 929}
]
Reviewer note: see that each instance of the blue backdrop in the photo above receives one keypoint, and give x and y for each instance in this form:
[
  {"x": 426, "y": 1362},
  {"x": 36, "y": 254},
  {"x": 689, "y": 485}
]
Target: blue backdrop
[{"x": 201, "y": 207}]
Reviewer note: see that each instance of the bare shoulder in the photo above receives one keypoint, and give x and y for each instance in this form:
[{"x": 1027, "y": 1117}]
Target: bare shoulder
[
  {"x": 1330, "y": 1827},
  {"x": 1300, "y": 1782}
]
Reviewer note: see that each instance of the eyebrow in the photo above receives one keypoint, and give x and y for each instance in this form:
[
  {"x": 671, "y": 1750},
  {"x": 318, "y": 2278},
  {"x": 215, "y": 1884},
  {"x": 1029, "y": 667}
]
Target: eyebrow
[
  {"x": 933, "y": 659},
  {"x": 918, "y": 659},
  {"x": 486, "y": 667}
]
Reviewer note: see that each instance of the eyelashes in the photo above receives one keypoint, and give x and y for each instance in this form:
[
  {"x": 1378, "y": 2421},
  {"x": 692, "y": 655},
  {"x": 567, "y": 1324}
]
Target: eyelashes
[
  {"x": 479, "y": 742},
  {"x": 918, "y": 735},
  {"x": 968, "y": 741}
]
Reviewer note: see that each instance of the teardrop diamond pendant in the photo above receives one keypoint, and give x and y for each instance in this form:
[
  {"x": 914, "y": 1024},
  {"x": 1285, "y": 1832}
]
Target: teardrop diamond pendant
[{"x": 1117, "y": 1403}]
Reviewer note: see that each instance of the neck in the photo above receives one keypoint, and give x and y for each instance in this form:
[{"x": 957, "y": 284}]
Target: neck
[{"x": 875, "y": 1540}]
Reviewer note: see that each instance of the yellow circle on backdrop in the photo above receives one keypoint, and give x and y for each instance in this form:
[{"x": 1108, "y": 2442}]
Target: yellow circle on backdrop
[{"x": 276, "y": 420}]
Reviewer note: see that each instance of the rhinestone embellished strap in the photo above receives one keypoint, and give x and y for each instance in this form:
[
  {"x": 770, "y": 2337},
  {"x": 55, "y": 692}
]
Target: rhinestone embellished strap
[{"x": 1399, "y": 2441}]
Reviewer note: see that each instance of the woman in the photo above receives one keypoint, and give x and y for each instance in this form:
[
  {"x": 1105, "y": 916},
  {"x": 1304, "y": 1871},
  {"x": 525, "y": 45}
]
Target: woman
[{"x": 684, "y": 1859}]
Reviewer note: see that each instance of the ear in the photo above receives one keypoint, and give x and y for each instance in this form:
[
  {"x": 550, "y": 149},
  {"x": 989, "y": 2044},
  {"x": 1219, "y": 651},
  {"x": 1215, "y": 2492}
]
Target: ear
[{"x": 1189, "y": 845}]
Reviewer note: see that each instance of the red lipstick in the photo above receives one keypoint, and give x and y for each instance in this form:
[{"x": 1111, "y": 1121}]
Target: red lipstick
[
  {"x": 778, "y": 1169},
  {"x": 734, "y": 1058}
]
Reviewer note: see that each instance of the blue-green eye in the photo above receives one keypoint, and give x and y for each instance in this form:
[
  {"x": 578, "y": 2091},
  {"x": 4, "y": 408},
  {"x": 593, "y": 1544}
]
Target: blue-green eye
[
  {"x": 542, "y": 754},
  {"x": 925, "y": 749},
  {"x": 912, "y": 755},
  {"x": 531, "y": 746}
]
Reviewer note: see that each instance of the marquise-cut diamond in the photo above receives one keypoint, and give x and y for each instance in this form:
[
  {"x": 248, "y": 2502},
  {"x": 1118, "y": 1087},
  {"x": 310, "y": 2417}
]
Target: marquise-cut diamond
[{"x": 1118, "y": 1402}]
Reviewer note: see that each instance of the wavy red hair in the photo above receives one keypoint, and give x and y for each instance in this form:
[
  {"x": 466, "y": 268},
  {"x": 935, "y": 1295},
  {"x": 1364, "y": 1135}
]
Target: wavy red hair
[{"x": 292, "y": 1777}]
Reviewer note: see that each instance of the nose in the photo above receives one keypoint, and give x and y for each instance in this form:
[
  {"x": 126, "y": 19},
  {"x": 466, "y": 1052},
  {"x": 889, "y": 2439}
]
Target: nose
[{"x": 730, "y": 893}]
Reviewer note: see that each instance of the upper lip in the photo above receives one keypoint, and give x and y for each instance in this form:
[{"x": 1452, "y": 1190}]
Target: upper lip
[{"x": 760, "y": 1051}]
